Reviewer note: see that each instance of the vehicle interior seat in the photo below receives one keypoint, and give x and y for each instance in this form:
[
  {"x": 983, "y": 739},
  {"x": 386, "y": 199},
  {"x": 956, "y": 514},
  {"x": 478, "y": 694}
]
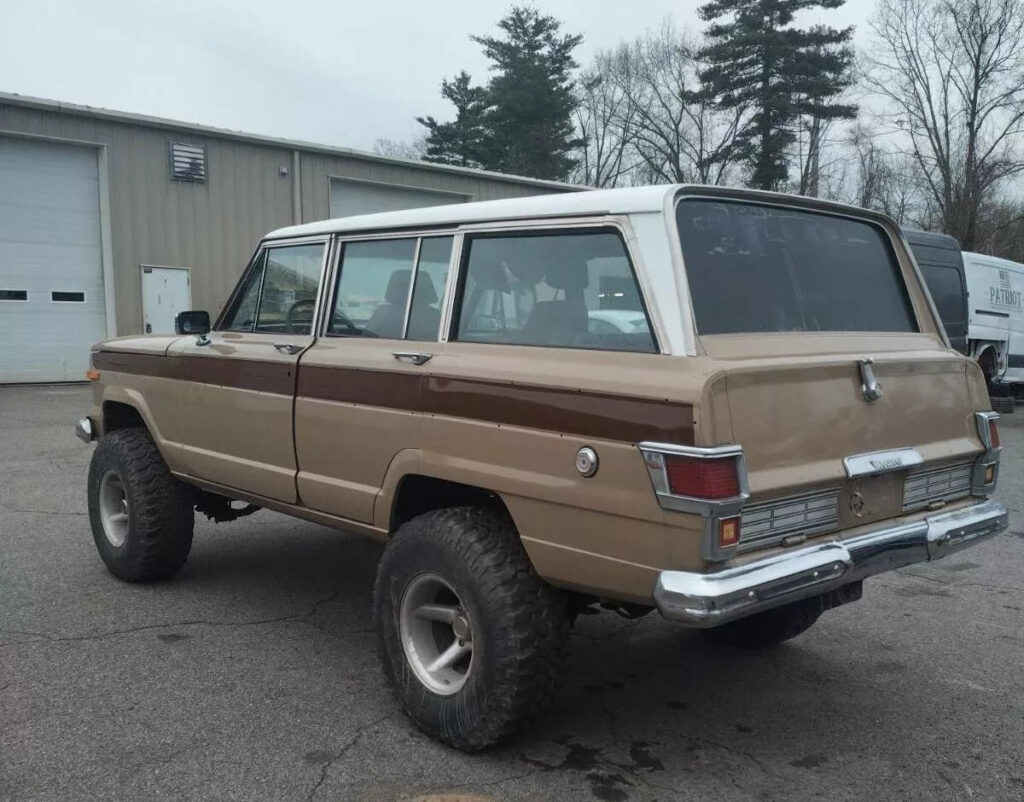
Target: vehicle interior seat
[
  {"x": 388, "y": 318},
  {"x": 562, "y": 320}
]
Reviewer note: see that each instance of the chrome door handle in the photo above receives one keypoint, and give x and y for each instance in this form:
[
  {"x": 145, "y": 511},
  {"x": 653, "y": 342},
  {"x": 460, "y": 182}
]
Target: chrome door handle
[
  {"x": 412, "y": 357},
  {"x": 288, "y": 348}
]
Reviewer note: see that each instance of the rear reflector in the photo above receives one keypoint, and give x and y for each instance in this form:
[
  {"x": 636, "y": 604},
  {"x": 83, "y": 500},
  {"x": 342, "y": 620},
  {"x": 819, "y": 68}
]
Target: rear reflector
[
  {"x": 993, "y": 433},
  {"x": 728, "y": 532},
  {"x": 702, "y": 478}
]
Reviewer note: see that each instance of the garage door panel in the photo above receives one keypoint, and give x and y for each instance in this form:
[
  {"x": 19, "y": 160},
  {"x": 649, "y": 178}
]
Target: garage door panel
[
  {"x": 49, "y": 242},
  {"x": 358, "y": 197}
]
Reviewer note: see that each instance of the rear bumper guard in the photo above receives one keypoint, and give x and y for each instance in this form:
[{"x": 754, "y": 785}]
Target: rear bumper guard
[{"x": 707, "y": 600}]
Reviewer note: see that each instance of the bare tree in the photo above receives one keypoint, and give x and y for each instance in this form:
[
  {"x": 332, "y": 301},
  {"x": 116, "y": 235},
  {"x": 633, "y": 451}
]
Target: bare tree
[
  {"x": 603, "y": 119},
  {"x": 400, "y": 149},
  {"x": 883, "y": 178},
  {"x": 952, "y": 74},
  {"x": 648, "y": 121}
]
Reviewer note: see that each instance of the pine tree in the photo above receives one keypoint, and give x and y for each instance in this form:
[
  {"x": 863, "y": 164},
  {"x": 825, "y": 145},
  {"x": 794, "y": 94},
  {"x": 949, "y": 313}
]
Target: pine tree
[
  {"x": 757, "y": 59},
  {"x": 521, "y": 122},
  {"x": 463, "y": 141},
  {"x": 531, "y": 95}
]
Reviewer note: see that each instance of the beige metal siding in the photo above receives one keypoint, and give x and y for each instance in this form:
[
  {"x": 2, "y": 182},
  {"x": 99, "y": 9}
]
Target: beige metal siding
[
  {"x": 212, "y": 228},
  {"x": 319, "y": 168}
]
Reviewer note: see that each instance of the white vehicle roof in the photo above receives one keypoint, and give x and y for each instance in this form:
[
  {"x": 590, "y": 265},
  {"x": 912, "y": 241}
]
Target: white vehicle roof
[
  {"x": 992, "y": 261},
  {"x": 626, "y": 200},
  {"x": 598, "y": 201}
]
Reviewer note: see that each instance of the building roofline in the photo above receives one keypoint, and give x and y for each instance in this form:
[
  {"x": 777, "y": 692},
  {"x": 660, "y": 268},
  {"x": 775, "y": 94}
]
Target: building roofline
[{"x": 45, "y": 104}]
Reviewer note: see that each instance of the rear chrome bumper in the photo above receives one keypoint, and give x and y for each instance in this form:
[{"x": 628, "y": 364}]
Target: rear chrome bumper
[{"x": 707, "y": 600}]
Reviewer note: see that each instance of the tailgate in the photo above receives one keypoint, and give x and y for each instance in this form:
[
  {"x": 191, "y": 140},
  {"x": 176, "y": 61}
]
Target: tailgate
[{"x": 800, "y": 422}]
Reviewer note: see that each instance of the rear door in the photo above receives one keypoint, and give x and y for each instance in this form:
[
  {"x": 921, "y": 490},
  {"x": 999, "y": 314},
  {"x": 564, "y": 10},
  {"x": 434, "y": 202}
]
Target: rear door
[
  {"x": 798, "y": 311},
  {"x": 239, "y": 383},
  {"x": 358, "y": 405}
]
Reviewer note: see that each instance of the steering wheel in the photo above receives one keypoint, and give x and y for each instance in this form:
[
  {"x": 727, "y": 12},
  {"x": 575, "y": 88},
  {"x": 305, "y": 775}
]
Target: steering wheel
[
  {"x": 339, "y": 320},
  {"x": 289, "y": 318}
]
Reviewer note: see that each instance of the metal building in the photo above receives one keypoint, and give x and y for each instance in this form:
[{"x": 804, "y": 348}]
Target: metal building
[{"x": 110, "y": 222}]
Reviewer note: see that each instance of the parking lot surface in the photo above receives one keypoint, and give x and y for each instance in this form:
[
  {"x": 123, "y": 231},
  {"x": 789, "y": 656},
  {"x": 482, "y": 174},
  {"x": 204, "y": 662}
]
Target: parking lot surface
[{"x": 253, "y": 674}]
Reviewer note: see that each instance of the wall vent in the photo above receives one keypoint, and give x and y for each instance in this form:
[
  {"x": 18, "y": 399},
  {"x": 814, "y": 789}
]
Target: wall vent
[{"x": 188, "y": 162}]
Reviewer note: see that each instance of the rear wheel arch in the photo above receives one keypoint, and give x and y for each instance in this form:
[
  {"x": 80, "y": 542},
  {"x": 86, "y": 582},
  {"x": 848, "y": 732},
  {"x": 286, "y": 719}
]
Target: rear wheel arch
[{"x": 417, "y": 494}]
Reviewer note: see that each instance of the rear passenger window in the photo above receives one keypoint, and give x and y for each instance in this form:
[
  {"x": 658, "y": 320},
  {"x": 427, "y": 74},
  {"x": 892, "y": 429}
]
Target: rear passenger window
[
  {"x": 570, "y": 290},
  {"x": 373, "y": 298}
]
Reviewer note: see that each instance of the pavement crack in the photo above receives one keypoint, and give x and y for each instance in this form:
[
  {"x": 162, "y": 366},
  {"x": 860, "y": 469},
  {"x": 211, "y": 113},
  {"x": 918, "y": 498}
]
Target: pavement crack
[
  {"x": 328, "y": 764},
  {"x": 10, "y": 508},
  {"x": 948, "y": 584},
  {"x": 197, "y": 622},
  {"x": 733, "y": 751}
]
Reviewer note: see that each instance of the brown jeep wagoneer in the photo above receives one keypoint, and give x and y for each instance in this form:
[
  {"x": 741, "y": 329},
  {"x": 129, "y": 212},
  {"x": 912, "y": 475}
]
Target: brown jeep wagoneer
[{"x": 730, "y": 406}]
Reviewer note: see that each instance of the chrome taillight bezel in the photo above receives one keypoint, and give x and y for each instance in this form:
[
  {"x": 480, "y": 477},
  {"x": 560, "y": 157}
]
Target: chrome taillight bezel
[
  {"x": 713, "y": 511},
  {"x": 988, "y": 459}
]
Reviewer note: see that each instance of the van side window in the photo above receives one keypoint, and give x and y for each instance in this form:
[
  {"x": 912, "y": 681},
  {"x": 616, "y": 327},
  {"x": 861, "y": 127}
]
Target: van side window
[
  {"x": 372, "y": 298},
  {"x": 279, "y": 294},
  {"x": 573, "y": 289}
]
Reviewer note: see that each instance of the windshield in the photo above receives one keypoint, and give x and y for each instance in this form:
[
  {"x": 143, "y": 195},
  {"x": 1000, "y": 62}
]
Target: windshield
[{"x": 754, "y": 268}]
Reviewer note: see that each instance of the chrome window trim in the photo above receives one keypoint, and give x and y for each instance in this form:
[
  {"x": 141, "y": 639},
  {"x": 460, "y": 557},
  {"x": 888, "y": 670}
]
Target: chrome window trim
[
  {"x": 448, "y": 307},
  {"x": 412, "y": 285}
]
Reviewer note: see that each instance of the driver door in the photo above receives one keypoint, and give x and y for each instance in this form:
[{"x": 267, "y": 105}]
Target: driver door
[{"x": 240, "y": 379}]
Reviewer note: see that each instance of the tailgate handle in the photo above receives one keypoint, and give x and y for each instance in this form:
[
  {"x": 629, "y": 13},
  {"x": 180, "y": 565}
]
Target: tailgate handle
[
  {"x": 869, "y": 385},
  {"x": 412, "y": 357}
]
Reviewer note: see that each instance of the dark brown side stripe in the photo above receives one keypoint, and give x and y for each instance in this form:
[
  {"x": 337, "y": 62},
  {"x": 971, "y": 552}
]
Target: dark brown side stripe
[
  {"x": 589, "y": 414},
  {"x": 245, "y": 374},
  {"x": 584, "y": 413}
]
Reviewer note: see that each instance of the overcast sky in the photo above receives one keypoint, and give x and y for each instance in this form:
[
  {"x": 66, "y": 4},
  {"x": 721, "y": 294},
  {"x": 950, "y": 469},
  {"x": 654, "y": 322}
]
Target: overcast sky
[{"x": 332, "y": 71}]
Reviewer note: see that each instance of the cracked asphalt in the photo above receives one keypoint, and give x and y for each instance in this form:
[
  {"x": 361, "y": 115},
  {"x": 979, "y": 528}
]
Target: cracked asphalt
[{"x": 253, "y": 674}]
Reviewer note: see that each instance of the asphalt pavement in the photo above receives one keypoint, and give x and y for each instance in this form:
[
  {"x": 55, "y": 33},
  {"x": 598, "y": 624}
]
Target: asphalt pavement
[{"x": 253, "y": 674}]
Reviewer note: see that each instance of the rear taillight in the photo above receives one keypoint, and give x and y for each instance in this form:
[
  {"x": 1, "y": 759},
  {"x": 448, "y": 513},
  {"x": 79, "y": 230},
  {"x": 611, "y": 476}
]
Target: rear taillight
[
  {"x": 988, "y": 429},
  {"x": 702, "y": 478},
  {"x": 709, "y": 482},
  {"x": 986, "y": 466}
]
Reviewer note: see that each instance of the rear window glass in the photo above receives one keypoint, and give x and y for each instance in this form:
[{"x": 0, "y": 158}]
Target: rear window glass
[{"x": 754, "y": 268}]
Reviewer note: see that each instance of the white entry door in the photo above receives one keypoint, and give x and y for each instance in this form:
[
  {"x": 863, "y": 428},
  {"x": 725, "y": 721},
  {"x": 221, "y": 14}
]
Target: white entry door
[{"x": 165, "y": 292}]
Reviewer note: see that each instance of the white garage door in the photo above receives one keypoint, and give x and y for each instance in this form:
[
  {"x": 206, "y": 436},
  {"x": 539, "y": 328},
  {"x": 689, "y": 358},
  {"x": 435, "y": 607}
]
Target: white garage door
[
  {"x": 51, "y": 272},
  {"x": 356, "y": 197}
]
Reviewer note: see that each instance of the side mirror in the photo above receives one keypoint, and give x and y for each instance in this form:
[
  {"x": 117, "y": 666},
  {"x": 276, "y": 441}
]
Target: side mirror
[{"x": 192, "y": 322}]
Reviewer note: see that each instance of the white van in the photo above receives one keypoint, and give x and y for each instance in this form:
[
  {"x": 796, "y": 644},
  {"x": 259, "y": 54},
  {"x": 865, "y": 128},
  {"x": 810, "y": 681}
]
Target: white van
[{"x": 995, "y": 329}]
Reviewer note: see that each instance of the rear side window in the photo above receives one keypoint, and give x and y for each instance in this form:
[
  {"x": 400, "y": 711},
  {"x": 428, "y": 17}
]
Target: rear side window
[
  {"x": 569, "y": 290},
  {"x": 373, "y": 296},
  {"x": 754, "y": 268}
]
